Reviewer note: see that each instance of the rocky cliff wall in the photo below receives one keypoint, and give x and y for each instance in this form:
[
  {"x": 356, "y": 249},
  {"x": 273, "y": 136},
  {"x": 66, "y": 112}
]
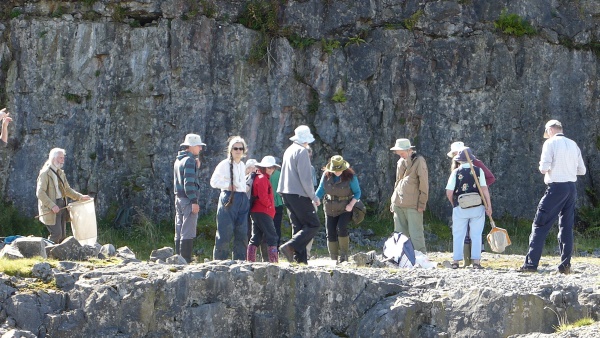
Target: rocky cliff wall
[{"x": 119, "y": 83}]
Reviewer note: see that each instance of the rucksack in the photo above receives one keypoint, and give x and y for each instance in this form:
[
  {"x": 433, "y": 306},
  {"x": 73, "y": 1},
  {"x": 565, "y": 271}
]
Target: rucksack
[
  {"x": 400, "y": 250},
  {"x": 249, "y": 185}
]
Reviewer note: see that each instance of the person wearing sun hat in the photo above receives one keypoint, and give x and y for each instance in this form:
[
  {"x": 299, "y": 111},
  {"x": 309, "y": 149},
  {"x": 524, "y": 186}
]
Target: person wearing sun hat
[
  {"x": 296, "y": 188},
  {"x": 262, "y": 211},
  {"x": 186, "y": 186},
  {"x": 339, "y": 190},
  {"x": 560, "y": 163},
  {"x": 467, "y": 218},
  {"x": 489, "y": 178},
  {"x": 411, "y": 192}
]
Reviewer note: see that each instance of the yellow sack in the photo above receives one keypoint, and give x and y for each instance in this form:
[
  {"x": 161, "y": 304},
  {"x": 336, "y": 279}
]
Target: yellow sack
[{"x": 498, "y": 239}]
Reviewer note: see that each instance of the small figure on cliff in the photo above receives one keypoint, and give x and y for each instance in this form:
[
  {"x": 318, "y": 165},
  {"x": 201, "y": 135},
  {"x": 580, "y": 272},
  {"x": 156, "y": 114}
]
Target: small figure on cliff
[
  {"x": 296, "y": 188},
  {"x": 233, "y": 208},
  {"x": 52, "y": 191},
  {"x": 6, "y": 119},
  {"x": 489, "y": 179},
  {"x": 340, "y": 189},
  {"x": 561, "y": 163},
  {"x": 411, "y": 192},
  {"x": 186, "y": 187},
  {"x": 262, "y": 211},
  {"x": 468, "y": 215}
]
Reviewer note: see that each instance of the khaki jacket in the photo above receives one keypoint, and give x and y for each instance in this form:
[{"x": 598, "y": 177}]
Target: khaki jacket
[
  {"x": 412, "y": 183},
  {"x": 46, "y": 193}
]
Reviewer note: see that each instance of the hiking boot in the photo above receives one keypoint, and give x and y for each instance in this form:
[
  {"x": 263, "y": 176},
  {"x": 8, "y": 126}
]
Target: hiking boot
[
  {"x": 251, "y": 253},
  {"x": 564, "y": 269},
  {"x": 287, "y": 251},
  {"x": 526, "y": 269},
  {"x": 186, "y": 248},
  {"x": 333, "y": 248},
  {"x": 344, "y": 248},
  {"x": 273, "y": 256},
  {"x": 467, "y": 253}
]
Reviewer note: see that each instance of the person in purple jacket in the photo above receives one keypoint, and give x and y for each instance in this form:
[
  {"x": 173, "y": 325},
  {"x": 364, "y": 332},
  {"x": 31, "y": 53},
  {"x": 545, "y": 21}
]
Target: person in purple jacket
[{"x": 489, "y": 178}]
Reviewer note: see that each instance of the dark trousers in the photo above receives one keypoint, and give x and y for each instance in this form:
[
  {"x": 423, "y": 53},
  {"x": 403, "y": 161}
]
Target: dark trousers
[
  {"x": 305, "y": 223},
  {"x": 277, "y": 222},
  {"x": 557, "y": 202},
  {"x": 262, "y": 228},
  {"x": 58, "y": 231},
  {"x": 337, "y": 226}
]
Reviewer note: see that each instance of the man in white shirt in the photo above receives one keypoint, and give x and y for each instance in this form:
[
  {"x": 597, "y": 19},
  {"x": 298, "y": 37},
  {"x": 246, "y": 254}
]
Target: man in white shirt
[{"x": 561, "y": 163}]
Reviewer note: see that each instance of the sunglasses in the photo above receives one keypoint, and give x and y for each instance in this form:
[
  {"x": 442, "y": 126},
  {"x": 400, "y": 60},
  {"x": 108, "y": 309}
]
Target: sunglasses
[{"x": 236, "y": 148}]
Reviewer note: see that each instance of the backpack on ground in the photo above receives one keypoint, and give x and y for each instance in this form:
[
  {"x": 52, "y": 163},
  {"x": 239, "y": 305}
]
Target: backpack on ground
[{"x": 400, "y": 250}]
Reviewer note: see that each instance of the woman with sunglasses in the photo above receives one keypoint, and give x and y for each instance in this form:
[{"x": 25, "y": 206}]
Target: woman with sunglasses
[
  {"x": 340, "y": 190},
  {"x": 233, "y": 208}
]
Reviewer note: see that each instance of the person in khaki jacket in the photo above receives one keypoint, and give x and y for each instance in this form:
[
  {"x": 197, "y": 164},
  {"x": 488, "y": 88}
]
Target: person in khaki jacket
[
  {"x": 410, "y": 194},
  {"x": 52, "y": 192}
]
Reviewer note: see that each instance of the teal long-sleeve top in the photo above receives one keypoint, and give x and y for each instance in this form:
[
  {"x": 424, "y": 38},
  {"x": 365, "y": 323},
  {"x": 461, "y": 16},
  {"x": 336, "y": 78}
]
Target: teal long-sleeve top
[{"x": 353, "y": 185}]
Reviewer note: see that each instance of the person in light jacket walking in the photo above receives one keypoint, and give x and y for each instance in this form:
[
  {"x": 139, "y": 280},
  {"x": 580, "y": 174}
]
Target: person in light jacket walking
[{"x": 296, "y": 188}]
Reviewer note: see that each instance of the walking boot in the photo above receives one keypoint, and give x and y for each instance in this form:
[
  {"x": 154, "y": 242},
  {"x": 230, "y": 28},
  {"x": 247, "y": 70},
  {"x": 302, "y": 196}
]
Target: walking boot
[
  {"x": 287, "y": 251},
  {"x": 344, "y": 247},
  {"x": 273, "y": 255},
  {"x": 251, "y": 253},
  {"x": 264, "y": 251},
  {"x": 177, "y": 247},
  {"x": 187, "y": 245},
  {"x": 467, "y": 254},
  {"x": 333, "y": 250}
]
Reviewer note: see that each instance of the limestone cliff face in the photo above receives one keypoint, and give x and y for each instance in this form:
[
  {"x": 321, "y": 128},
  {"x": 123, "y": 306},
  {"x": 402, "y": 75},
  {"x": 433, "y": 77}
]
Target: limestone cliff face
[{"x": 119, "y": 84}]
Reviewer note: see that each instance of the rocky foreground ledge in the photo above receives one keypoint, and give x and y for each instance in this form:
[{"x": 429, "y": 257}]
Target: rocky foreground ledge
[{"x": 240, "y": 299}]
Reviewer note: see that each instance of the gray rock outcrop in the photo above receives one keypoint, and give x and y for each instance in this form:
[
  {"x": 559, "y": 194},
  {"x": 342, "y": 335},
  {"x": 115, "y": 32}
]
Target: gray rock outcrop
[
  {"x": 239, "y": 299},
  {"x": 119, "y": 84}
]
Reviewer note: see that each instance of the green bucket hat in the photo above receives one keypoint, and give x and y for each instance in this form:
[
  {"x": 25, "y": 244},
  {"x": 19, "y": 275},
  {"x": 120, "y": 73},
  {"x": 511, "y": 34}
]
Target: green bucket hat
[{"x": 337, "y": 163}]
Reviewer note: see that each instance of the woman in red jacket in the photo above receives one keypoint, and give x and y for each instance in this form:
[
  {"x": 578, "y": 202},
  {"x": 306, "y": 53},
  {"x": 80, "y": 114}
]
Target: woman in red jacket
[{"x": 262, "y": 211}]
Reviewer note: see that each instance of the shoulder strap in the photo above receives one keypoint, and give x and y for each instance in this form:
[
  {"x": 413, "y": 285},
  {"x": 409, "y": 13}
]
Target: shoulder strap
[{"x": 59, "y": 179}]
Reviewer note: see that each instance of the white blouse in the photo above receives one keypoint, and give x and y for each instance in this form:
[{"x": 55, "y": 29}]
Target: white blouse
[{"x": 221, "y": 178}]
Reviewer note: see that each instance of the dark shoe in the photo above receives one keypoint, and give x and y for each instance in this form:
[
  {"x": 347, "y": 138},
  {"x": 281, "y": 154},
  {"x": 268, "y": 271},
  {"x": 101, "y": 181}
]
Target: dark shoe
[
  {"x": 564, "y": 269},
  {"x": 477, "y": 266},
  {"x": 287, "y": 251},
  {"x": 526, "y": 269},
  {"x": 454, "y": 265},
  {"x": 186, "y": 248}
]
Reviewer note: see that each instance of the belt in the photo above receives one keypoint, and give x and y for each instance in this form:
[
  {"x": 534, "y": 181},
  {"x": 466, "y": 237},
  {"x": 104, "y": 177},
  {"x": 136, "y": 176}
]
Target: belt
[{"x": 338, "y": 198}]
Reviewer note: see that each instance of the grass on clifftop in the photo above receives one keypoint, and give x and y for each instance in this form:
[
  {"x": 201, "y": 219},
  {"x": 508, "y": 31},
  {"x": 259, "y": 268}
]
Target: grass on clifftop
[{"x": 143, "y": 235}]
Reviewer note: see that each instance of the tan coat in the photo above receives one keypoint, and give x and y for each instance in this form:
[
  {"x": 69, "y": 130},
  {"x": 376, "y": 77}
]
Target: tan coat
[
  {"x": 412, "y": 183},
  {"x": 46, "y": 193}
]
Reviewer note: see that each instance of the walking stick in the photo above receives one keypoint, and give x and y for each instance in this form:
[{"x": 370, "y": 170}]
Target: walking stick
[{"x": 38, "y": 216}]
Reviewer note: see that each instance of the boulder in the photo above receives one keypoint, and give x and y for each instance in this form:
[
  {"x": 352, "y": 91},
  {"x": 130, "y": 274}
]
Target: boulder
[
  {"x": 69, "y": 249},
  {"x": 125, "y": 253},
  {"x": 30, "y": 246},
  {"x": 176, "y": 259},
  {"x": 108, "y": 250},
  {"x": 42, "y": 271},
  {"x": 10, "y": 252},
  {"x": 161, "y": 254}
]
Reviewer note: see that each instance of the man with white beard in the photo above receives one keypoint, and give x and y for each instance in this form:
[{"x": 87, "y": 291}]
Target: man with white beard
[{"x": 52, "y": 192}]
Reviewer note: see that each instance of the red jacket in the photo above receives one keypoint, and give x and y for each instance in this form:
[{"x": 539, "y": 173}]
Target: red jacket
[
  {"x": 489, "y": 177},
  {"x": 263, "y": 195}
]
